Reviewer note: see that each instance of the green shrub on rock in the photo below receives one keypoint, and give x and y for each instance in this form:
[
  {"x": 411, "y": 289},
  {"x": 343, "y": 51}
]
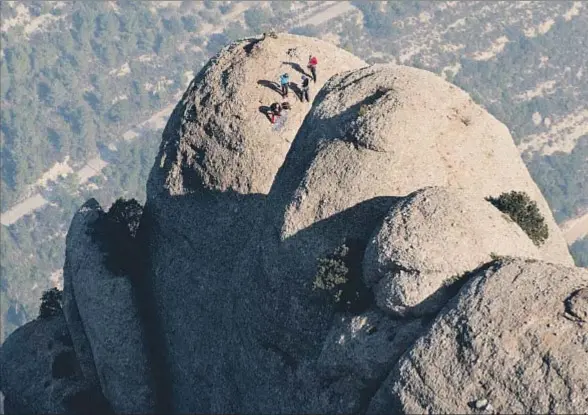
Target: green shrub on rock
[
  {"x": 339, "y": 274},
  {"x": 332, "y": 273},
  {"x": 115, "y": 234},
  {"x": 127, "y": 213},
  {"x": 524, "y": 211},
  {"x": 51, "y": 301}
]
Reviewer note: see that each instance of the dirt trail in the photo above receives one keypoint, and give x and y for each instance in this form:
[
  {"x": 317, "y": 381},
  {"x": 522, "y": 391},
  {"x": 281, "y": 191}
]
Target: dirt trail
[
  {"x": 563, "y": 134},
  {"x": 339, "y": 8},
  {"x": 92, "y": 168},
  {"x": 25, "y": 207},
  {"x": 235, "y": 14},
  {"x": 575, "y": 229}
]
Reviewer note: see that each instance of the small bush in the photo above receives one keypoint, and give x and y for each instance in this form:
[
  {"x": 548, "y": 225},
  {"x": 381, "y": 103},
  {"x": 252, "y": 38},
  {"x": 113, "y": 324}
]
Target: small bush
[
  {"x": 332, "y": 273},
  {"x": 51, "y": 302},
  {"x": 115, "y": 234},
  {"x": 524, "y": 211},
  {"x": 339, "y": 274},
  {"x": 127, "y": 213},
  {"x": 495, "y": 257}
]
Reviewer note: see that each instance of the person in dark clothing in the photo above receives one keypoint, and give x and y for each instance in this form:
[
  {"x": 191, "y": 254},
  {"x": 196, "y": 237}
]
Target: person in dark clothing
[
  {"x": 275, "y": 111},
  {"x": 312, "y": 62},
  {"x": 304, "y": 89},
  {"x": 284, "y": 83}
]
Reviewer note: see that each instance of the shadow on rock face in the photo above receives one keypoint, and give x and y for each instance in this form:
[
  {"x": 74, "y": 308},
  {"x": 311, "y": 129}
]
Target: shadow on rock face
[
  {"x": 297, "y": 68},
  {"x": 431, "y": 305},
  {"x": 39, "y": 371},
  {"x": 271, "y": 85},
  {"x": 221, "y": 280},
  {"x": 291, "y": 309},
  {"x": 249, "y": 47},
  {"x": 64, "y": 365},
  {"x": 87, "y": 401},
  {"x": 193, "y": 278}
]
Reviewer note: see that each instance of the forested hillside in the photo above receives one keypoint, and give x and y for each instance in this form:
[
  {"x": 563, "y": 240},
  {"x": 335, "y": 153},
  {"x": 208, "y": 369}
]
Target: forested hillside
[
  {"x": 70, "y": 90},
  {"x": 83, "y": 81},
  {"x": 579, "y": 250},
  {"x": 77, "y": 85}
]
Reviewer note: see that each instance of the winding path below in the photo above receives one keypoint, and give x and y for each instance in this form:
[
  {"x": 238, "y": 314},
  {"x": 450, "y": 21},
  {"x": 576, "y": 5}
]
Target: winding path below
[{"x": 575, "y": 229}]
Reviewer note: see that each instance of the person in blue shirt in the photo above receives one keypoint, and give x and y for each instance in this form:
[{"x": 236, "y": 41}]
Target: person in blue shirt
[{"x": 285, "y": 83}]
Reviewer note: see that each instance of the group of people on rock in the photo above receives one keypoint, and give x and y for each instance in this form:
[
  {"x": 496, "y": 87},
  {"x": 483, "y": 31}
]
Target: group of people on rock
[{"x": 276, "y": 108}]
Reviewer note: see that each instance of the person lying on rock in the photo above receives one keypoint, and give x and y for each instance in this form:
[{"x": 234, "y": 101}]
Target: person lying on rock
[
  {"x": 275, "y": 111},
  {"x": 285, "y": 82}
]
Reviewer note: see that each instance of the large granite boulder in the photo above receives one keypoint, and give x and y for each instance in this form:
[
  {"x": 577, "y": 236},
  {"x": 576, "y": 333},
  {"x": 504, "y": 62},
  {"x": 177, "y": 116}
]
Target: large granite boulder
[
  {"x": 102, "y": 313},
  {"x": 40, "y": 372},
  {"x": 428, "y": 133},
  {"x": 515, "y": 340},
  {"x": 219, "y": 136},
  {"x": 233, "y": 261},
  {"x": 431, "y": 239}
]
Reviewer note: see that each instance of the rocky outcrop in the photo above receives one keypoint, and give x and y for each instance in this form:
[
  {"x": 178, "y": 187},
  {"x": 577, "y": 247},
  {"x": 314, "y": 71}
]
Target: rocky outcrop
[
  {"x": 218, "y": 159},
  {"x": 577, "y": 305},
  {"x": 508, "y": 343},
  {"x": 107, "y": 319},
  {"x": 373, "y": 135},
  {"x": 219, "y": 136},
  {"x": 40, "y": 372},
  {"x": 431, "y": 239},
  {"x": 76, "y": 239},
  {"x": 238, "y": 215},
  {"x": 388, "y": 130}
]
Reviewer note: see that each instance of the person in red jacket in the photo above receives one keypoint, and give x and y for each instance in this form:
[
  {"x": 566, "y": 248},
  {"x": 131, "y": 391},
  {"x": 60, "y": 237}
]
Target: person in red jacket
[
  {"x": 275, "y": 111},
  {"x": 312, "y": 62}
]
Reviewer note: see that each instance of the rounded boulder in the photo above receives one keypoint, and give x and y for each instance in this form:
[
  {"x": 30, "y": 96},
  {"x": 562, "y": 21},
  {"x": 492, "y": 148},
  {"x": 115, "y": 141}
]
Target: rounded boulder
[{"x": 429, "y": 240}]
